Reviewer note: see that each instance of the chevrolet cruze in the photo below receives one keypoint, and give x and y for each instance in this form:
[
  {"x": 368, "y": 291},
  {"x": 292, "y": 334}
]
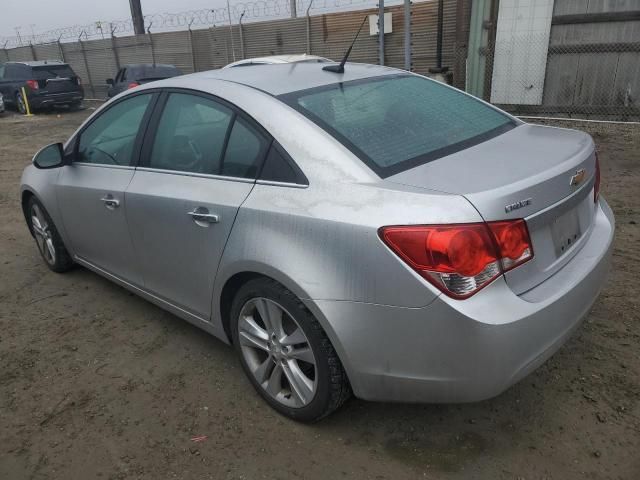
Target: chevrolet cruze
[{"x": 370, "y": 231}]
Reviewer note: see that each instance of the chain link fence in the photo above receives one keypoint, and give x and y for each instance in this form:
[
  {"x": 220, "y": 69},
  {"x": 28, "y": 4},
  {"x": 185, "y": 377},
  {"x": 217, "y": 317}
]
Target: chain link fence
[
  {"x": 580, "y": 66},
  {"x": 202, "y": 49},
  {"x": 579, "y": 80},
  {"x": 247, "y": 11}
]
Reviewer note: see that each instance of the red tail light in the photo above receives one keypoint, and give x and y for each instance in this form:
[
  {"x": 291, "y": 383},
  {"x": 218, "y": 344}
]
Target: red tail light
[
  {"x": 33, "y": 84},
  {"x": 133, "y": 85},
  {"x": 461, "y": 259},
  {"x": 596, "y": 185}
]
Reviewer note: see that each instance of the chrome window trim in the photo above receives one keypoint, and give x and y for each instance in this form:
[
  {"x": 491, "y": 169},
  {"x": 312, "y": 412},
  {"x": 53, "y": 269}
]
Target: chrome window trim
[
  {"x": 103, "y": 165},
  {"x": 194, "y": 174},
  {"x": 273, "y": 183}
]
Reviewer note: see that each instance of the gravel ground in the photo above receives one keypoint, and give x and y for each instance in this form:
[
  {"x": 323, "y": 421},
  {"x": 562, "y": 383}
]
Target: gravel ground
[{"x": 98, "y": 383}]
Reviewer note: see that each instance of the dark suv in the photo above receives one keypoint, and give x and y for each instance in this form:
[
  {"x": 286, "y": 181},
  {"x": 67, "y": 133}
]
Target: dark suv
[
  {"x": 130, "y": 76},
  {"x": 47, "y": 83}
]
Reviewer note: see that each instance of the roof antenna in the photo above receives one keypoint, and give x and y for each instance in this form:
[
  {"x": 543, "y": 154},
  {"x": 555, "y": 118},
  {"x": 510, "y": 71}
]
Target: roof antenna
[{"x": 340, "y": 68}]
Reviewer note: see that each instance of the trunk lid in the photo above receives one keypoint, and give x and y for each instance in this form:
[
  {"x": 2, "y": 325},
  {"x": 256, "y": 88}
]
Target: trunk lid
[{"x": 542, "y": 174}]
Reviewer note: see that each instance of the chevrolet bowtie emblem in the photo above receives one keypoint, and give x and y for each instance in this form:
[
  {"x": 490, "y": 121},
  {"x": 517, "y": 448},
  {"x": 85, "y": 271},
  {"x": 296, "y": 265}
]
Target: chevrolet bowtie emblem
[{"x": 577, "y": 178}]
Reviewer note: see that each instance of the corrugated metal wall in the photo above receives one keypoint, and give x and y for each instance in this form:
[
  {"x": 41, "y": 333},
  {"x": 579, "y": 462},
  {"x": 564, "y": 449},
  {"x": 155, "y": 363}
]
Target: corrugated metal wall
[{"x": 205, "y": 49}]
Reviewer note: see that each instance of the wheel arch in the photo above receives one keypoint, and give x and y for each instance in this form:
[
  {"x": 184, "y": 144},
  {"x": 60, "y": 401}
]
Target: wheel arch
[
  {"x": 25, "y": 197},
  {"x": 234, "y": 282}
]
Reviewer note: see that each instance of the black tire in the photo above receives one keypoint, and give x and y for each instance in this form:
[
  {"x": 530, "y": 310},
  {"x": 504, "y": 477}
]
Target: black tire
[
  {"x": 19, "y": 102},
  {"x": 60, "y": 261},
  {"x": 333, "y": 387}
]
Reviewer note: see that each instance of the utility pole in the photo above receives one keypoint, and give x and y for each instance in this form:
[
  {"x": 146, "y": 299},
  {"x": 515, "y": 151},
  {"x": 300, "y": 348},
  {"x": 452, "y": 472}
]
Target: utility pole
[
  {"x": 293, "y": 7},
  {"x": 136, "y": 17},
  {"x": 381, "y": 30},
  {"x": 407, "y": 35}
]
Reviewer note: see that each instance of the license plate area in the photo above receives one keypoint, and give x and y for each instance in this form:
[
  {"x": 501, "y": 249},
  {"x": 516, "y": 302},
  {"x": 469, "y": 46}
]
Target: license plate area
[{"x": 566, "y": 231}]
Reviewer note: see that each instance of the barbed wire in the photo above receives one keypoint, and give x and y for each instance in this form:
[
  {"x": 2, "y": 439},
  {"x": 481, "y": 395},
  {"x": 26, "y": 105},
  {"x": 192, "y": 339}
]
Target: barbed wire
[{"x": 253, "y": 10}]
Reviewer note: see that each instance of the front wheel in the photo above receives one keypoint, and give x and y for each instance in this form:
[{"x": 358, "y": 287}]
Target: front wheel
[
  {"x": 47, "y": 238},
  {"x": 285, "y": 352}
]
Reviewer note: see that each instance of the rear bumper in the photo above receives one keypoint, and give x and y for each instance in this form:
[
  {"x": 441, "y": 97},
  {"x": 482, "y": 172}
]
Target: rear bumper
[
  {"x": 469, "y": 350},
  {"x": 49, "y": 99}
]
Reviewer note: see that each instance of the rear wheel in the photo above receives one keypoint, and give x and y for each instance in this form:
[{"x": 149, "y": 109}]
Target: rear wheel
[
  {"x": 47, "y": 238},
  {"x": 20, "y": 105},
  {"x": 285, "y": 352}
]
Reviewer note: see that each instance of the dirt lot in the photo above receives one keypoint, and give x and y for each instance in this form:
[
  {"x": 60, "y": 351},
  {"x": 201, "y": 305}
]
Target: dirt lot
[{"x": 97, "y": 383}]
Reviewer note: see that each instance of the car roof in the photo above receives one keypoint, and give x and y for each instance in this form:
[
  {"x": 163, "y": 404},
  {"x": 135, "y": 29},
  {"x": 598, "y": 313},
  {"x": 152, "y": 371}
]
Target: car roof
[
  {"x": 39, "y": 63},
  {"x": 279, "y": 79},
  {"x": 149, "y": 65},
  {"x": 299, "y": 57}
]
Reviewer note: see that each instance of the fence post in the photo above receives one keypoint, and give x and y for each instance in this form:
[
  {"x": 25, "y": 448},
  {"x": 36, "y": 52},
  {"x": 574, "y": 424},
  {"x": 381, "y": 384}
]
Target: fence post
[
  {"x": 114, "y": 47},
  {"x": 309, "y": 29},
  {"x": 153, "y": 50},
  {"x": 491, "y": 48},
  {"x": 61, "y": 50},
  {"x": 33, "y": 51},
  {"x": 381, "y": 30},
  {"x": 86, "y": 64},
  {"x": 193, "y": 55},
  {"x": 233, "y": 49},
  {"x": 407, "y": 35},
  {"x": 242, "y": 52},
  {"x": 4, "y": 49}
]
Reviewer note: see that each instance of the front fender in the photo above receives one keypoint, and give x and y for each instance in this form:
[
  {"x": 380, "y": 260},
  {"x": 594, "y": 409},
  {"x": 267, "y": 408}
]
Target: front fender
[{"x": 42, "y": 185}]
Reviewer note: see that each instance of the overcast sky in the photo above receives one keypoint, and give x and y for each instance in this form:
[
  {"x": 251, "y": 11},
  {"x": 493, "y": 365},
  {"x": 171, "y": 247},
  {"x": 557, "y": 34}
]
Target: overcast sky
[
  {"x": 48, "y": 14},
  {"x": 42, "y": 15}
]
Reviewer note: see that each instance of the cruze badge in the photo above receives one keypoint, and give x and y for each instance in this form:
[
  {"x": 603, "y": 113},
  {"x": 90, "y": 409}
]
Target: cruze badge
[
  {"x": 517, "y": 205},
  {"x": 577, "y": 178}
]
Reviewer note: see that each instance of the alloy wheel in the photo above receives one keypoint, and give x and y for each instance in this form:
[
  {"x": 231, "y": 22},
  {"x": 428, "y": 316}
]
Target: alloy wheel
[
  {"x": 20, "y": 103},
  {"x": 42, "y": 234},
  {"x": 277, "y": 352}
]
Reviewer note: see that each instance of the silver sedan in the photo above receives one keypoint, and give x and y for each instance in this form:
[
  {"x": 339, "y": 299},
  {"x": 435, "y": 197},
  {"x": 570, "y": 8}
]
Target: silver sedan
[{"x": 371, "y": 231}]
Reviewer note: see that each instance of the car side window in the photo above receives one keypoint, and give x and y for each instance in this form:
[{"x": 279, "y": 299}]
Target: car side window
[
  {"x": 191, "y": 135},
  {"x": 10, "y": 72},
  {"x": 245, "y": 150},
  {"x": 278, "y": 167},
  {"x": 110, "y": 138}
]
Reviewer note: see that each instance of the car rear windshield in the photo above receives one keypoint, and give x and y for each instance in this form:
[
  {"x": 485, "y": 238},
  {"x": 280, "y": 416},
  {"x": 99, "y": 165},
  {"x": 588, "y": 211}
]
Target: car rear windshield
[
  {"x": 52, "y": 71},
  {"x": 396, "y": 122}
]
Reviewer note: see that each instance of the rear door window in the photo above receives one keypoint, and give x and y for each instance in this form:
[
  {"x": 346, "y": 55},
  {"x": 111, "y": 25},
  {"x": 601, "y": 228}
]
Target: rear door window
[
  {"x": 52, "y": 71},
  {"x": 191, "y": 135},
  {"x": 245, "y": 150},
  {"x": 397, "y": 122}
]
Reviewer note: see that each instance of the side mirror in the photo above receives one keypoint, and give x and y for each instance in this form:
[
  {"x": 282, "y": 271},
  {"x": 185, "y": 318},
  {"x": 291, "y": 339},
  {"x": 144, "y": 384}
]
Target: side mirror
[
  {"x": 51, "y": 156},
  {"x": 109, "y": 81}
]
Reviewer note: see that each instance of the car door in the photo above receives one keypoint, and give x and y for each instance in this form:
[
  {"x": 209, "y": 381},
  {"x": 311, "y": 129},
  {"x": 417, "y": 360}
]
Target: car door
[
  {"x": 9, "y": 82},
  {"x": 91, "y": 189},
  {"x": 195, "y": 172},
  {"x": 3, "y": 82}
]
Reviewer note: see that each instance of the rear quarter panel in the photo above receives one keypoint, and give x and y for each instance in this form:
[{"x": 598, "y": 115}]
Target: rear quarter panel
[{"x": 322, "y": 242}]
